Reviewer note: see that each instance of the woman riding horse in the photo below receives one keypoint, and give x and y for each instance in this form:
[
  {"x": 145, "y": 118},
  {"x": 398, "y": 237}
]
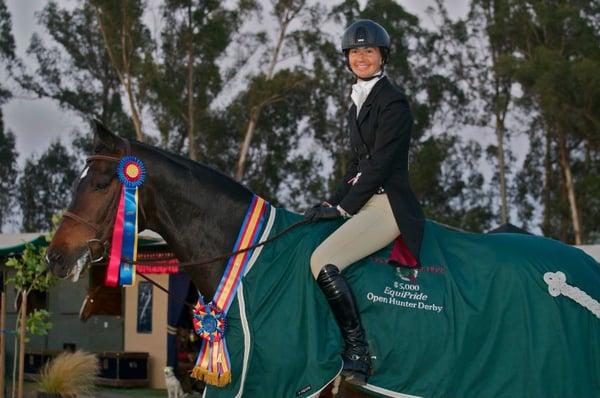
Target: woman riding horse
[
  {"x": 487, "y": 315},
  {"x": 375, "y": 195}
]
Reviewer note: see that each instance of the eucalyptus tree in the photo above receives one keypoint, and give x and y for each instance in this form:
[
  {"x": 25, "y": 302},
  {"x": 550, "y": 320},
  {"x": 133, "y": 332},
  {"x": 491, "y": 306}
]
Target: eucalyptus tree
[
  {"x": 7, "y": 45},
  {"x": 74, "y": 68},
  {"x": 129, "y": 47},
  {"x": 45, "y": 187},
  {"x": 556, "y": 62},
  {"x": 279, "y": 167},
  {"x": 8, "y": 173},
  {"x": 8, "y": 154},
  {"x": 288, "y": 14},
  {"x": 487, "y": 68},
  {"x": 452, "y": 189},
  {"x": 189, "y": 74}
]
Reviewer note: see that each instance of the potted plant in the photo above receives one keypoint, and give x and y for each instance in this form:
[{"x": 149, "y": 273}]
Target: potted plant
[{"x": 70, "y": 374}]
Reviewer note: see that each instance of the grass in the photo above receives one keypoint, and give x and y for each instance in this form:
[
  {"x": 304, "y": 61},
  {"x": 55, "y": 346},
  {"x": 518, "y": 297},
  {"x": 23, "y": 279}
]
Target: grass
[{"x": 69, "y": 374}]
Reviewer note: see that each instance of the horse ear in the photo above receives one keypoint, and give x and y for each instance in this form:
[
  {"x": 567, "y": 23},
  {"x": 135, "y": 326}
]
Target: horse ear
[{"x": 104, "y": 139}]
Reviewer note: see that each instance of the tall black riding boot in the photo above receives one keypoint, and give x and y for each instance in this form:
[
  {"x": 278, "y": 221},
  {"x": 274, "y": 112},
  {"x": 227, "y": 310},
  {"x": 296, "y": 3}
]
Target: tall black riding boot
[{"x": 357, "y": 362}]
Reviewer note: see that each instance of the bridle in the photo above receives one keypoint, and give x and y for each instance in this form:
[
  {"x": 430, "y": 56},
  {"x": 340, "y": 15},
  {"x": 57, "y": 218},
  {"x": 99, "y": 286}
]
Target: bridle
[{"x": 95, "y": 243}]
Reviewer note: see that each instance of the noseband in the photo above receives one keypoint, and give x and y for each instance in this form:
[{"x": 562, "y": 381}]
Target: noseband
[{"x": 95, "y": 243}]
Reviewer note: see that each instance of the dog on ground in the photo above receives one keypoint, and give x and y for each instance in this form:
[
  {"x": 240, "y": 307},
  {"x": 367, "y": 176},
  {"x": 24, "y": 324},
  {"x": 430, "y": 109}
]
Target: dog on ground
[{"x": 174, "y": 389}]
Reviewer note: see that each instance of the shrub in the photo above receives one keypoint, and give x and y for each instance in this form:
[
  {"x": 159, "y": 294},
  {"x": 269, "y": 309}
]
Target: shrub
[{"x": 69, "y": 374}]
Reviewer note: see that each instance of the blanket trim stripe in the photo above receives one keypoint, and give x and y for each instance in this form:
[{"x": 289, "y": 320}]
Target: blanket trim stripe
[
  {"x": 242, "y": 304},
  {"x": 214, "y": 364},
  {"x": 251, "y": 226},
  {"x": 388, "y": 393},
  {"x": 247, "y": 339}
]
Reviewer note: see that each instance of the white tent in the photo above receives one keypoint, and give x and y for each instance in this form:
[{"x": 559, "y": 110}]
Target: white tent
[{"x": 592, "y": 250}]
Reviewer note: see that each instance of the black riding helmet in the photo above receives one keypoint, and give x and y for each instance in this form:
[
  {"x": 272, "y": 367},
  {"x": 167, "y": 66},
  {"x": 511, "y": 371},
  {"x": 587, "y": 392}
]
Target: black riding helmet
[{"x": 366, "y": 33}]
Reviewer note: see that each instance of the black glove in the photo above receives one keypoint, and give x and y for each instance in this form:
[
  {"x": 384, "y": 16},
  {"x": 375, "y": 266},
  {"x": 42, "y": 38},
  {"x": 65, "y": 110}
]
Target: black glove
[{"x": 321, "y": 212}]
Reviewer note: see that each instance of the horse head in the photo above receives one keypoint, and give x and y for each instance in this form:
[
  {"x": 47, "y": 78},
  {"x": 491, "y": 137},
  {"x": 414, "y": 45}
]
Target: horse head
[
  {"x": 196, "y": 209},
  {"x": 84, "y": 232}
]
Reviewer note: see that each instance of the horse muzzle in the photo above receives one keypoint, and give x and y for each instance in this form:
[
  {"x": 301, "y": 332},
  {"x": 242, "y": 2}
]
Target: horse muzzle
[
  {"x": 67, "y": 268},
  {"x": 72, "y": 266}
]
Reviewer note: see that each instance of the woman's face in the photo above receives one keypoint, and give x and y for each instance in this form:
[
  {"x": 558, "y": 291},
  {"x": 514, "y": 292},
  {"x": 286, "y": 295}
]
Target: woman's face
[{"x": 365, "y": 61}]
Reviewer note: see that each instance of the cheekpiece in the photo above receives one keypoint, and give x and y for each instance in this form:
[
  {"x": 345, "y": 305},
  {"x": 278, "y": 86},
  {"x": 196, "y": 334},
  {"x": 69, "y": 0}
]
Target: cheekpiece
[
  {"x": 209, "y": 322},
  {"x": 131, "y": 171}
]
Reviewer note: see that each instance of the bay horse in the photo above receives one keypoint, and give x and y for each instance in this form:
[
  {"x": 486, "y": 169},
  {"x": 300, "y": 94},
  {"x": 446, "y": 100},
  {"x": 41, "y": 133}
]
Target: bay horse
[
  {"x": 486, "y": 315},
  {"x": 204, "y": 223}
]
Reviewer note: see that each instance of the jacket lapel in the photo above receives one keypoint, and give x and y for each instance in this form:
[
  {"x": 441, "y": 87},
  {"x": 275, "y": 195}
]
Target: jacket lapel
[{"x": 366, "y": 107}]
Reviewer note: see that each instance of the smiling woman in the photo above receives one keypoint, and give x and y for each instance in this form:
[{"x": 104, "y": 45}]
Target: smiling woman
[
  {"x": 365, "y": 62},
  {"x": 374, "y": 195}
]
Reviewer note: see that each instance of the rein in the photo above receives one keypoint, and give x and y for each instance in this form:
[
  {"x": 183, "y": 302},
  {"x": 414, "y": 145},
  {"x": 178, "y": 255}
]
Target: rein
[
  {"x": 204, "y": 262},
  {"x": 222, "y": 256}
]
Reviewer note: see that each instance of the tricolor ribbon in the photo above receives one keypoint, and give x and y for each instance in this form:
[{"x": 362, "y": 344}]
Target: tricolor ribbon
[
  {"x": 131, "y": 173},
  {"x": 213, "y": 364}
]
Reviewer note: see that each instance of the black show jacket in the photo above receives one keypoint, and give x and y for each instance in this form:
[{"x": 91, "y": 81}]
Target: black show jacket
[{"x": 380, "y": 138}]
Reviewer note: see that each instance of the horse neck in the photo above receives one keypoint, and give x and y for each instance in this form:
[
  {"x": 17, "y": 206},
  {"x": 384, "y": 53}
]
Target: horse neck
[{"x": 196, "y": 210}]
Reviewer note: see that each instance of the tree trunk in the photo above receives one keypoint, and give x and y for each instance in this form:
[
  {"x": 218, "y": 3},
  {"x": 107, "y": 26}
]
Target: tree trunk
[
  {"x": 135, "y": 115},
  {"x": 241, "y": 164},
  {"x": 22, "y": 328},
  {"x": 500, "y": 128},
  {"x": 123, "y": 74},
  {"x": 546, "y": 225},
  {"x": 569, "y": 186},
  {"x": 255, "y": 113},
  {"x": 190, "y": 111}
]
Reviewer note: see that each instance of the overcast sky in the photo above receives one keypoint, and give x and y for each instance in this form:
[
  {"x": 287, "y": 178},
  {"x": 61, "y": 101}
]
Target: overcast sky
[{"x": 36, "y": 122}]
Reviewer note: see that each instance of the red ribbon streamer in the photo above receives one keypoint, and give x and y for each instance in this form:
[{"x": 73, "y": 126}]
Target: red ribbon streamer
[{"x": 114, "y": 262}]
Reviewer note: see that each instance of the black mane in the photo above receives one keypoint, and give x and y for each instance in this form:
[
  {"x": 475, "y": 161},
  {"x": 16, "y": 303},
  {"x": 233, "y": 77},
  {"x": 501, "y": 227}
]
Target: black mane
[
  {"x": 195, "y": 208},
  {"x": 198, "y": 169}
]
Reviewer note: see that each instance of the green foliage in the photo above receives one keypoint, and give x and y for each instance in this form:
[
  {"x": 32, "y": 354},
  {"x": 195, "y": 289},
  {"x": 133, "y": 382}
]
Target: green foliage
[
  {"x": 75, "y": 70},
  {"x": 38, "y": 323},
  {"x": 45, "y": 187},
  {"x": 30, "y": 273},
  {"x": 212, "y": 64},
  {"x": 193, "y": 41},
  {"x": 7, "y": 41},
  {"x": 30, "y": 270},
  {"x": 8, "y": 173},
  {"x": 556, "y": 62},
  {"x": 447, "y": 179},
  {"x": 7, "y": 46},
  {"x": 279, "y": 174},
  {"x": 126, "y": 38}
]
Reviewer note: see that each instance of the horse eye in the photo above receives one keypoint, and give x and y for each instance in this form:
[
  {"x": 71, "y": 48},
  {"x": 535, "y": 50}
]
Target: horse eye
[{"x": 102, "y": 184}]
